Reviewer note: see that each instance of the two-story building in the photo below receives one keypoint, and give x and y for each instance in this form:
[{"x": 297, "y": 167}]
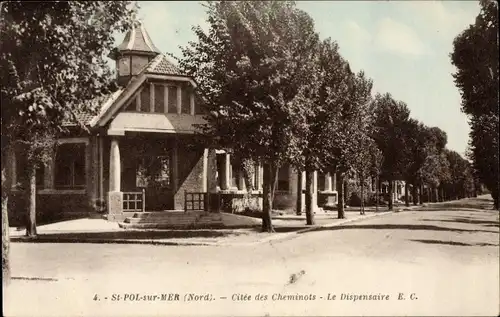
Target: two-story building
[{"x": 141, "y": 153}]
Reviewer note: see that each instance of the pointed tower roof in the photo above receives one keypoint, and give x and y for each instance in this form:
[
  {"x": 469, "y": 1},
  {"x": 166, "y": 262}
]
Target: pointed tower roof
[{"x": 137, "y": 41}]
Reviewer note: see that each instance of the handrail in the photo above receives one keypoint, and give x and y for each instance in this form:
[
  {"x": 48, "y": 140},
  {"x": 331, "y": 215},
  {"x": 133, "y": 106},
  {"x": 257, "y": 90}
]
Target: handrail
[
  {"x": 134, "y": 201},
  {"x": 196, "y": 201}
]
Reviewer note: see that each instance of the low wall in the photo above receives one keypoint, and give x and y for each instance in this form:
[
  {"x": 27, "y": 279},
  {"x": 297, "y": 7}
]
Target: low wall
[
  {"x": 49, "y": 207},
  {"x": 235, "y": 202}
]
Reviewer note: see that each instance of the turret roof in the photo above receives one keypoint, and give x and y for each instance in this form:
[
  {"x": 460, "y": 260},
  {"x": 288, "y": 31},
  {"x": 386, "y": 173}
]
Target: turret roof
[{"x": 137, "y": 40}]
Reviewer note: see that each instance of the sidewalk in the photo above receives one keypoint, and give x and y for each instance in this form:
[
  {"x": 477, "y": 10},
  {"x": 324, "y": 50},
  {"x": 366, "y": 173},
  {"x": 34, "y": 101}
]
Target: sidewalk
[{"x": 103, "y": 231}]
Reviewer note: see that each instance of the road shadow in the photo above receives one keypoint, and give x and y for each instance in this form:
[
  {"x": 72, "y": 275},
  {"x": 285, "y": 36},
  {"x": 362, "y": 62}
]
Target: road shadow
[
  {"x": 125, "y": 235},
  {"x": 454, "y": 243},
  {"x": 400, "y": 227},
  {"x": 476, "y": 204},
  {"x": 468, "y": 220}
]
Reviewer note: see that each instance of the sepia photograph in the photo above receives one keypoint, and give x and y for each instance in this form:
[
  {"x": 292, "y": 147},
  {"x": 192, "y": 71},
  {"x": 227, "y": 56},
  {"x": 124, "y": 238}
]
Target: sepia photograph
[{"x": 250, "y": 158}]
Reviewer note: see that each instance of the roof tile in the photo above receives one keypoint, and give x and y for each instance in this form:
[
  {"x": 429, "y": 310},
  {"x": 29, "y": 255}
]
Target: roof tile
[{"x": 161, "y": 65}]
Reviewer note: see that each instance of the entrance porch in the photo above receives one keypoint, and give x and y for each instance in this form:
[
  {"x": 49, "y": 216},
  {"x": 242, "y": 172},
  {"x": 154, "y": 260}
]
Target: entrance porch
[{"x": 151, "y": 172}]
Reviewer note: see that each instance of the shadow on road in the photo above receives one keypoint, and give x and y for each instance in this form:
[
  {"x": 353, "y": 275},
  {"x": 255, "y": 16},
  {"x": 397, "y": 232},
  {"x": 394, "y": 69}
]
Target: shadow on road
[
  {"x": 472, "y": 204},
  {"x": 401, "y": 227},
  {"x": 468, "y": 220},
  {"x": 134, "y": 235},
  {"x": 455, "y": 243}
]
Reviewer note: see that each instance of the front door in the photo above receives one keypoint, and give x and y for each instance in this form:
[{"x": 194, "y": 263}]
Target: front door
[{"x": 154, "y": 174}]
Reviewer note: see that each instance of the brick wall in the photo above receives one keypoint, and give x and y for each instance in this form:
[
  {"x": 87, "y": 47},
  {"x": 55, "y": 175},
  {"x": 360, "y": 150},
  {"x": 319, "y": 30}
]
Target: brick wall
[
  {"x": 190, "y": 171},
  {"x": 49, "y": 207}
]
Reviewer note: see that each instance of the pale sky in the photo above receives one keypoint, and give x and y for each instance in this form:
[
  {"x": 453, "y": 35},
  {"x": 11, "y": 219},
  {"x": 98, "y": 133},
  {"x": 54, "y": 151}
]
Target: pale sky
[{"x": 403, "y": 46}]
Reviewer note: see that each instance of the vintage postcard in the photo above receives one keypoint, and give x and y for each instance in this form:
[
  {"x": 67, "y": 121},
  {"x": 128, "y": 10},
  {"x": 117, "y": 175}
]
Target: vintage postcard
[{"x": 250, "y": 158}]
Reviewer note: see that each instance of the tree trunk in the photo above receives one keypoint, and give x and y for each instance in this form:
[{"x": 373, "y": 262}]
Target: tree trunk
[
  {"x": 346, "y": 191},
  {"x": 267, "y": 199},
  {"x": 414, "y": 194},
  {"x": 6, "y": 186},
  {"x": 421, "y": 194},
  {"x": 377, "y": 194},
  {"x": 31, "y": 211},
  {"x": 298, "y": 207},
  {"x": 436, "y": 194},
  {"x": 5, "y": 226},
  {"x": 407, "y": 193},
  {"x": 362, "y": 205},
  {"x": 340, "y": 190},
  {"x": 309, "y": 195},
  {"x": 390, "y": 189}
]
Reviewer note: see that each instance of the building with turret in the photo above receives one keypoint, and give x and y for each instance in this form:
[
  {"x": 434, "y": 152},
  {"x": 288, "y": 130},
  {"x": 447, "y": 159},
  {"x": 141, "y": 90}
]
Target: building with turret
[{"x": 141, "y": 154}]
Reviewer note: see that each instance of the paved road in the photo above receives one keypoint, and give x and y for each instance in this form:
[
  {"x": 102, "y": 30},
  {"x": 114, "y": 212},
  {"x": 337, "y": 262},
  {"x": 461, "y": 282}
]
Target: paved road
[{"x": 447, "y": 258}]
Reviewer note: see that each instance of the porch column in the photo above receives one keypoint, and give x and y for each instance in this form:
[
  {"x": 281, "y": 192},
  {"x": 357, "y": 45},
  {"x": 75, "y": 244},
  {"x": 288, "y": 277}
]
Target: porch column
[
  {"x": 261, "y": 176},
  {"x": 191, "y": 103},
  {"x": 204, "y": 184},
  {"x": 115, "y": 196},
  {"x": 114, "y": 167},
  {"x": 226, "y": 172},
  {"x": 101, "y": 169},
  {"x": 394, "y": 190},
  {"x": 241, "y": 180},
  {"x": 328, "y": 182}
]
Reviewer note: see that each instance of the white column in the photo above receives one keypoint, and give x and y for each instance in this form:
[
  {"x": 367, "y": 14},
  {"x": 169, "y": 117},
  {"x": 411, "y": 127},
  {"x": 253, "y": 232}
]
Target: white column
[
  {"x": 191, "y": 103},
  {"x": 101, "y": 169},
  {"x": 226, "y": 172},
  {"x": 205, "y": 171},
  {"x": 179, "y": 99},
  {"x": 261, "y": 176},
  {"x": 114, "y": 167},
  {"x": 328, "y": 182},
  {"x": 241, "y": 180}
]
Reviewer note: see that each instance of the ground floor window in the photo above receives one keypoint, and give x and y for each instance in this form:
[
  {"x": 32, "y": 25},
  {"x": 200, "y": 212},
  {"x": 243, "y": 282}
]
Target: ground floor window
[
  {"x": 70, "y": 165},
  {"x": 154, "y": 171},
  {"x": 321, "y": 181},
  {"x": 283, "y": 178}
]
